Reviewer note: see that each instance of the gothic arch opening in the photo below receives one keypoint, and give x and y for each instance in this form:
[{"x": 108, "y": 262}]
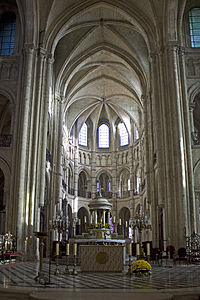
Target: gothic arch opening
[{"x": 2, "y": 204}]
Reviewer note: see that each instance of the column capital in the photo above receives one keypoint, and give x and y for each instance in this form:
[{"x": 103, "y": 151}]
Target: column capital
[{"x": 29, "y": 49}]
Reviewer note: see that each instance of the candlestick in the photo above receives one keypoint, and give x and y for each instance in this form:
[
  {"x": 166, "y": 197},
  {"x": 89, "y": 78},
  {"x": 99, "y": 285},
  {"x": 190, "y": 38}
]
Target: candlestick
[
  {"x": 67, "y": 249},
  {"x": 148, "y": 249},
  {"x": 137, "y": 249},
  {"x": 75, "y": 249},
  {"x": 57, "y": 249},
  {"x": 130, "y": 249}
]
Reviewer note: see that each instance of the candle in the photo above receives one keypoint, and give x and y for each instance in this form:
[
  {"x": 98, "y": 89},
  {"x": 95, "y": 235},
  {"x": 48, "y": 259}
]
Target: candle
[
  {"x": 91, "y": 219},
  {"x": 75, "y": 249},
  {"x": 79, "y": 222},
  {"x": 120, "y": 222},
  {"x": 57, "y": 249},
  {"x": 130, "y": 249},
  {"x": 148, "y": 249},
  {"x": 85, "y": 219},
  {"x": 126, "y": 224},
  {"x": 137, "y": 249},
  {"x": 114, "y": 219},
  {"x": 67, "y": 249}
]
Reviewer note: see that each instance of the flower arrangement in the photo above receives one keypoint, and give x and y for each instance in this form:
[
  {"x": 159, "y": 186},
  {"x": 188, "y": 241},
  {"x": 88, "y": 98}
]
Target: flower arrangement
[
  {"x": 107, "y": 225},
  {"x": 99, "y": 226},
  {"x": 141, "y": 267}
]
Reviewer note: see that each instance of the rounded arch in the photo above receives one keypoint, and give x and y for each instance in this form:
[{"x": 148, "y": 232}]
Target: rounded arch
[
  {"x": 83, "y": 219},
  {"x": 123, "y": 180},
  {"x": 193, "y": 91},
  {"x": 103, "y": 170},
  {"x": 84, "y": 169},
  {"x": 8, "y": 94},
  {"x": 82, "y": 184},
  {"x": 4, "y": 166},
  {"x": 7, "y": 111},
  {"x": 5, "y": 194},
  {"x": 197, "y": 175},
  {"x": 124, "y": 215}
]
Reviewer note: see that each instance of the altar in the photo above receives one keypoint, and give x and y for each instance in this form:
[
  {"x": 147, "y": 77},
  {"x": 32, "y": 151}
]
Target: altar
[{"x": 101, "y": 258}]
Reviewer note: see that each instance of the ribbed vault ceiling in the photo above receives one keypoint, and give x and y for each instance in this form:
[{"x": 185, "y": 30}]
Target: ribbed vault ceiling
[{"x": 101, "y": 68}]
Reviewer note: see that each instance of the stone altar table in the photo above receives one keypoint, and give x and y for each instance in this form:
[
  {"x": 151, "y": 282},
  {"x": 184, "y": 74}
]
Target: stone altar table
[{"x": 100, "y": 258}]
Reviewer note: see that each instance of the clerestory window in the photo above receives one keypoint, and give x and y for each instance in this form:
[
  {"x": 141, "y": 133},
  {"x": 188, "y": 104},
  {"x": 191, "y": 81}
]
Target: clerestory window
[
  {"x": 103, "y": 136},
  {"x": 7, "y": 33},
  {"x": 83, "y": 135},
  {"x": 123, "y": 134},
  {"x": 194, "y": 22}
]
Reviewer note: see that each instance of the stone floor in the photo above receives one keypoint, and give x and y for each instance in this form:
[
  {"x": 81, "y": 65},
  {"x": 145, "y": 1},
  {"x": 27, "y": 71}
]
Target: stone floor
[{"x": 165, "y": 282}]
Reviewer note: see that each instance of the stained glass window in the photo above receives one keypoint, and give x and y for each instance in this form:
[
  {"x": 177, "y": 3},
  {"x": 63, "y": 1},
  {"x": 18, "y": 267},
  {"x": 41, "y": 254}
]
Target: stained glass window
[
  {"x": 83, "y": 135},
  {"x": 7, "y": 33},
  {"x": 103, "y": 136},
  {"x": 194, "y": 21},
  {"x": 123, "y": 134}
]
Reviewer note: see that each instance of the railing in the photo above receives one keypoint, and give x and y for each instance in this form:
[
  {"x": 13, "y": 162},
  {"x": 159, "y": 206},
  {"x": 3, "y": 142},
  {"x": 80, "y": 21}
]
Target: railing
[
  {"x": 196, "y": 137},
  {"x": 124, "y": 194},
  {"x": 105, "y": 194},
  {"x": 84, "y": 194},
  {"x": 5, "y": 140}
]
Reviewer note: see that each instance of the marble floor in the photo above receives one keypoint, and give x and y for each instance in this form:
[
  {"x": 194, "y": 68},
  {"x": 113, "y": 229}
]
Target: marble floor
[{"x": 165, "y": 282}]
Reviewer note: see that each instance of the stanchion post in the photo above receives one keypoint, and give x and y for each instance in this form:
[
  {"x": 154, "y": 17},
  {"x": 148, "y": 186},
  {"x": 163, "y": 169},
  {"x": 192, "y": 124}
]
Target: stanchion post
[
  {"x": 67, "y": 259},
  {"x": 74, "y": 272},
  {"x": 57, "y": 271}
]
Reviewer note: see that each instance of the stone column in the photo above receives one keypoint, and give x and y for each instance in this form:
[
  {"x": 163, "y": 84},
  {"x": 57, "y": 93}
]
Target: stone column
[
  {"x": 192, "y": 217},
  {"x": 93, "y": 174},
  {"x": 21, "y": 145},
  {"x": 95, "y": 217},
  {"x": 104, "y": 217},
  {"x": 191, "y": 111},
  {"x": 108, "y": 217},
  {"x": 76, "y": 171}
]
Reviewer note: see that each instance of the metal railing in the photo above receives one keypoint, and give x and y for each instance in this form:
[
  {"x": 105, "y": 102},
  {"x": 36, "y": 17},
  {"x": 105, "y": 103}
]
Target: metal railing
[
  {"x": 124, "y": 194},
  {"x": 84, "y": 194}
]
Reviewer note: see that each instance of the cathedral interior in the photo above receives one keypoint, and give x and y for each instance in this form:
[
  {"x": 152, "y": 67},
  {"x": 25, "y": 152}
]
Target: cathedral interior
[{"x": 99, "y": 101}]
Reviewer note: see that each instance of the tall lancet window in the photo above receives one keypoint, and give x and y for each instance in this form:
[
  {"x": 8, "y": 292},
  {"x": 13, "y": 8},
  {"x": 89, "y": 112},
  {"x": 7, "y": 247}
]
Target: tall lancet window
[
  {"x": 83, "y": 135},
  {"x": 7, "y": 33},
  {"x": 103, "y": 136},
  {"x": 123, "y": 134},
  {"x": 194, "y": 21}
]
